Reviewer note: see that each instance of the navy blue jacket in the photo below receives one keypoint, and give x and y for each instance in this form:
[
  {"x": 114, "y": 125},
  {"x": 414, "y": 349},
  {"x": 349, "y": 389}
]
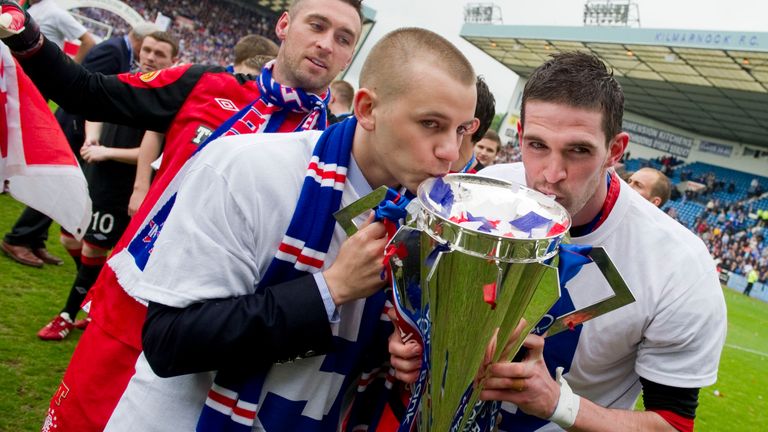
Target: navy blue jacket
[{"x": 110, "y": 57}]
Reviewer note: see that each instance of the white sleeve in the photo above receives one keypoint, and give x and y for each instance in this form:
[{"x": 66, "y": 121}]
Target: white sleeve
[
  {"x": 682, "y": 344},
  {"x": 207, "y": 246},
  {"x": 70, "y": 28}
]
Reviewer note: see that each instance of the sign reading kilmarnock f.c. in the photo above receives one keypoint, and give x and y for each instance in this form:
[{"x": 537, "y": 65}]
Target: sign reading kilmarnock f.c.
[{"x": 708, "y": 38}]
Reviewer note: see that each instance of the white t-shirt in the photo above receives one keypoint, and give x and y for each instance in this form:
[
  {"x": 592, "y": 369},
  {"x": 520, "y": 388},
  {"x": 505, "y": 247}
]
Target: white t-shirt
[
  {"x": 674, "y": 332},
  {"x": 56, "y": 23},
  {"x": 220, "y": 246}
]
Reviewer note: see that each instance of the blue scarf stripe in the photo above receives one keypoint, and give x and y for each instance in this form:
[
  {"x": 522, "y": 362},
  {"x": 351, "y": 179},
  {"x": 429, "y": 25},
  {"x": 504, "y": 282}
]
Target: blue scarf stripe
[{"x": 275, "y": 121}]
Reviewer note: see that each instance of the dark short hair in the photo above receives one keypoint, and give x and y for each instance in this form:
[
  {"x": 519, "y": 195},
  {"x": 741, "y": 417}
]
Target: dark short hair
[
  {"x": 166, "y": 37},
  {"x": 580, "y": 80},
  {"x": 485, "y": 109},
  {"x": 493, "y": 136},
  {"x": 356, "y": 4},
  {"x": 253, "y": 45}
]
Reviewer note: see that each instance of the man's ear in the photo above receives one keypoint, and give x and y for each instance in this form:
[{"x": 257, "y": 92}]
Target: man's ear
[
  {"x": 656, "y": 201},
  {"x": 519, "y": 131},
  {"x": 616, "y": 148},
  {"x": 281, "y": 28},
  {"x": 364, "y": 105},
  {"x": 473, "y": 127}
]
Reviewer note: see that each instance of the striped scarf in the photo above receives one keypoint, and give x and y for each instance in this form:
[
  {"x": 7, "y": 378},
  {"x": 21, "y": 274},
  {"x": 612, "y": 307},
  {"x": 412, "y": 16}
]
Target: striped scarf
[
  {"x": 232, "y": 403},
  {"x": 264, "y": 115}
]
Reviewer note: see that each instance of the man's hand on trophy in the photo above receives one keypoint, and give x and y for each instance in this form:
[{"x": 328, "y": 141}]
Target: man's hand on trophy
[
  {"x": 356, "y": 273},
  {"x": 405, "y": 357},
  {"x": 18, "y": 30},
  {"x": 527, "y": 384},
  {"x": 490, "y": 350}
]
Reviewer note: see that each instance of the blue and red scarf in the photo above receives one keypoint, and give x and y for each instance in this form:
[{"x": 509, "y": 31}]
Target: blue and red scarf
[{"x": 264, "y": 115}]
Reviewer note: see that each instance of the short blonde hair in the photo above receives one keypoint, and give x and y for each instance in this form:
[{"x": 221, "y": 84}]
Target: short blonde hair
[
  {"x": 343, "y": 91},
  {"x": 386, "y": 70},
  {"x": 254, "y": 45}
]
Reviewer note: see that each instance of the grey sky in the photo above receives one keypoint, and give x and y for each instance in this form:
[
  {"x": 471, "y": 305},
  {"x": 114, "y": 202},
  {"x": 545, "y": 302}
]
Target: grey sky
[{"x": 446, "y": 18}]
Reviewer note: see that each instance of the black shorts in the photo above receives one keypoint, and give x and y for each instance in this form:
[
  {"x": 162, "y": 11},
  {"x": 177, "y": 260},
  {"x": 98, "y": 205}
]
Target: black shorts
[{"x": 106, "y": 227}]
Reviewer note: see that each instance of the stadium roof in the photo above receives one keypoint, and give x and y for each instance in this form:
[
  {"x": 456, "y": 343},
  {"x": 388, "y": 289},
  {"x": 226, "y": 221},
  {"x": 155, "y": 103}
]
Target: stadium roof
[{"x": 713, "y": 83}]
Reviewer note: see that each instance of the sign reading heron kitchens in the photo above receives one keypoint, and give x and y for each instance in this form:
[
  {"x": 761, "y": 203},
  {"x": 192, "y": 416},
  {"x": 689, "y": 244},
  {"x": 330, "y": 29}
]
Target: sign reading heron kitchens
[{"x": 658, "y": 139}]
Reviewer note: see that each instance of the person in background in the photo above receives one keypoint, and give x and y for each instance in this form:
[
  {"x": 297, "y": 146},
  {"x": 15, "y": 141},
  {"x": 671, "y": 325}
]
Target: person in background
[
  {"x": 59, "y": 26},
  {"x": 251, "y": 46},
  {"x": 752, "y": 277},
  {"x": 488, "y": 148},
  {"x": 652, "y": 184},
  {"x": 485, "y": 110},
  {"x": 340, "y": 105},
  {"x": 255, "y": 64}
]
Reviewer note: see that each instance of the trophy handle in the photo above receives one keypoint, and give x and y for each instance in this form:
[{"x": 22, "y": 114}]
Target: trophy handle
[
  {"x": 621, "y": 295},
  {"x": 346, "y": 215}
]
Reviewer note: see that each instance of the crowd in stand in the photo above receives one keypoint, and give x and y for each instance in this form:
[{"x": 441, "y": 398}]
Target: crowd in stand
[
  {"x": 668, "y": 163},
  {"x": 509, "y": 153},
  {"x": 737, "y": 247},
  {"x": 207, "y": 29},
  {"x": 735, "y": 235}
]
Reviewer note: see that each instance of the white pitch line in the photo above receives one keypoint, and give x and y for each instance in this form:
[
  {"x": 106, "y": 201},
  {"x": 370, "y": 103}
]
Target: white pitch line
[{"x": 747, "y": 350}]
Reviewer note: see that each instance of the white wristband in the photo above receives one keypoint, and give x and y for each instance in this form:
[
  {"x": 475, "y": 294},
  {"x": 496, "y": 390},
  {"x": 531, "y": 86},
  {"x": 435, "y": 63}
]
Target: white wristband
[{"x": 567, "y": 406}]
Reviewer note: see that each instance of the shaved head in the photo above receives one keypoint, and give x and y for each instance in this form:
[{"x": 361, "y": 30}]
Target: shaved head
[{"x": 387, "y": 70}]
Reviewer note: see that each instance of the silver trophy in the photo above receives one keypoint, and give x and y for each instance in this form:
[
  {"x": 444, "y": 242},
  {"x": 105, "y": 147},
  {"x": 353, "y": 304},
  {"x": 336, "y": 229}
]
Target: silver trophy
[{"x": 475, "y": 256}]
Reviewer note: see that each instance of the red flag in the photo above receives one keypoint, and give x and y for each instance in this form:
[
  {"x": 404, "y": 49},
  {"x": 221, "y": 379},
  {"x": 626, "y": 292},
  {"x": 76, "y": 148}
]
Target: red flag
[{"x": 35, "y": 157}]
